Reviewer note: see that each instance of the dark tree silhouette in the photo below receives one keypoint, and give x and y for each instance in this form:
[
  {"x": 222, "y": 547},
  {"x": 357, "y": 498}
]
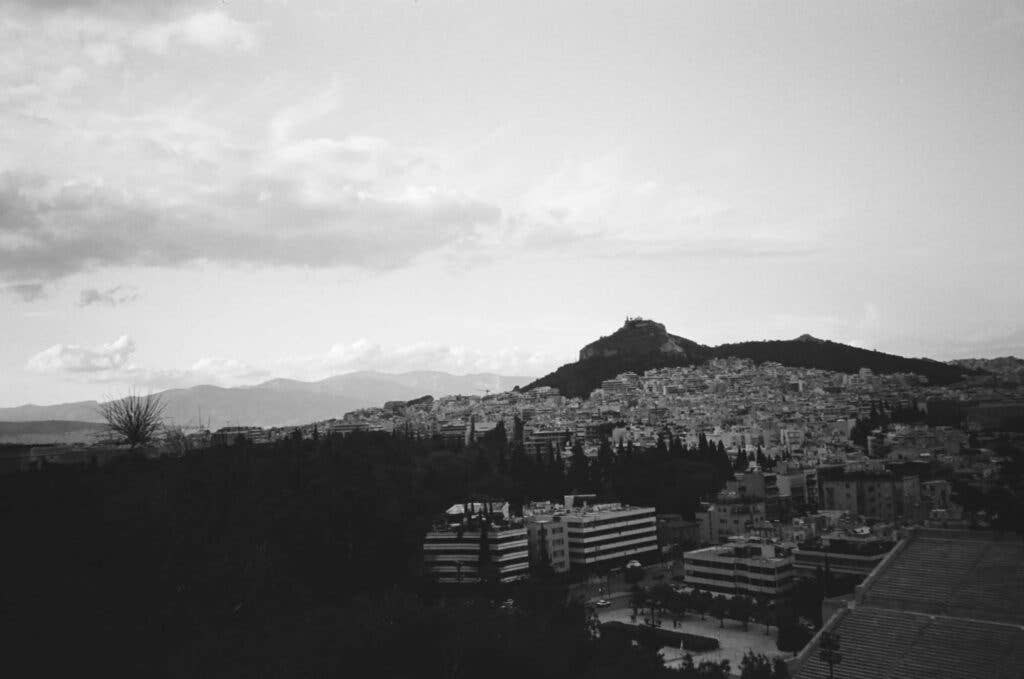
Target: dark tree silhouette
[
  {"x": 741, "y": 463},
  {"x": 135, "y": 418}
]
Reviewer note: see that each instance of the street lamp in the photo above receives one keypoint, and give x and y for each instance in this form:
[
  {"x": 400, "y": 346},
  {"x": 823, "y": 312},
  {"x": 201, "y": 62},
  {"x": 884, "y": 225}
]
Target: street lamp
[{"x": 830, "y": 651}]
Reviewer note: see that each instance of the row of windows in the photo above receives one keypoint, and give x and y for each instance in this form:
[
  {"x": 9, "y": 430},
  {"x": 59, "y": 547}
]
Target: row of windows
[
  {"x": 615, "y": 519},
  {"x": 504, "y": 578},
  {"x": 847, "y": 560},
  {"x": 739, "y": 566},
  {"x": 464, "y": 551},
  {"x": 471, "y": 553},
  {"x": 629, "y": 551},
  {"x": 611, "y": 548},
  {"x": 638, "y": 536},
  {"x": 722, "y": 577},
  {"x": 724, "y": 589},
  {"x": 443, "y": 564},
  {"x": 474, "y": 540},
  {"x": 646, "y": 524},
  {"x": 612, "y": 535},
  {"x": 492, "y": 538}
]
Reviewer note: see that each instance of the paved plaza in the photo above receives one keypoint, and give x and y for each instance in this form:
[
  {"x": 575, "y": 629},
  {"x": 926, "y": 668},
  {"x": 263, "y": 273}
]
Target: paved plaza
[{"x": 734, "y": 641}]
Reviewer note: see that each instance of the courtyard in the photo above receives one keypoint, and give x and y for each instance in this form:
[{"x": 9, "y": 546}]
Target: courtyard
[{"x": 734, "y": 641}]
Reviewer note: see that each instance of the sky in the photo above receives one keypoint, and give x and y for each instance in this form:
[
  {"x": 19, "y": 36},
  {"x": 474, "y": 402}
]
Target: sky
[{"x": 226, "y": 191}]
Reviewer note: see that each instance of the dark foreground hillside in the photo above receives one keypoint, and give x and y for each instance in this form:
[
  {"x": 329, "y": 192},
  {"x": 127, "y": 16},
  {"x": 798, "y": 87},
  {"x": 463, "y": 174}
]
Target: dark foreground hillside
[{"x": 294, "y": 559}]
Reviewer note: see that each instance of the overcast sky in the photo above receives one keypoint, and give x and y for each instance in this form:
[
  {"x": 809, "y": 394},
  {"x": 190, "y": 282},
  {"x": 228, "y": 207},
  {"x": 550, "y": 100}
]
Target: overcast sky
[{"x": 225, "y": 191}]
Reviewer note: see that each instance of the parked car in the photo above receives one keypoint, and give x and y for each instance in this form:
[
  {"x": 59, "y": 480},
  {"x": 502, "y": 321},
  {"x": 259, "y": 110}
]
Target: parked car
[{"x": 602, "y": 603}]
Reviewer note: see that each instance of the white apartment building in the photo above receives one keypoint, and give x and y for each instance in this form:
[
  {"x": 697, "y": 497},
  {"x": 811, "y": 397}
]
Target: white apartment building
[
  {"x": 549, "y": 541},
  {"x": 608, "y": 532},
  {"x": 456, "y": 551},
  {"x": 748, "y": 567}
]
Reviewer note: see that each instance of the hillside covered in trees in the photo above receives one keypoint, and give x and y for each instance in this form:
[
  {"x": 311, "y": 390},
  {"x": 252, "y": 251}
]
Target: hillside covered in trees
[{"x": 302, "y": 558}]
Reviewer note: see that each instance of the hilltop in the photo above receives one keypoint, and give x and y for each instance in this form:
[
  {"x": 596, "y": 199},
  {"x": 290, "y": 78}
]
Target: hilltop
[
  {"x": 641, "y": 337},
  {"x": 642, "y": 344}
]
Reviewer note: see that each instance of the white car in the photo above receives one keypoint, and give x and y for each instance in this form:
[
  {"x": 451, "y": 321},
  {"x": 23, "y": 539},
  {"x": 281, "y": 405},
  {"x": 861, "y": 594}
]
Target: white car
[
  {"x": 633, "y": 564},
  {"x": 602, "y": 603}
]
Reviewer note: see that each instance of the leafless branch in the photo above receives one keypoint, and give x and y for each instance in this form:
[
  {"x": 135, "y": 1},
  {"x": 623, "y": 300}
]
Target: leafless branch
[{"x": 136, "y": 418}]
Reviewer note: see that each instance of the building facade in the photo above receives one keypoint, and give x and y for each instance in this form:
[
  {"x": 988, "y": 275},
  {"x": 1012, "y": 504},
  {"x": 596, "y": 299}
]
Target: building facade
[
  {"x": 729, "y": 515},
  {"x": 602, "y": 533},
  {"x": 549, "y": 542},
  {"x": 229, "y": 436},
  {"x": 848, "y": 554},
  {"x": 885, "y": 497},
  {"x": 611, "y": 533},
  {"x": 743, "y": 567},
  {"x": 479, "y": 544},
  {"x": 675, "y": 533}
]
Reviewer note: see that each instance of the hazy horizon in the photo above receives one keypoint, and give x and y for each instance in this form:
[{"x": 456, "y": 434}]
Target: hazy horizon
[
  {"x": 201, "y": 191},
  {"x": 273, "y": 378}
]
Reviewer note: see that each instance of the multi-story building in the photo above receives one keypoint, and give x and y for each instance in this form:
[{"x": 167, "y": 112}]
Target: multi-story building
[
  {"x": 613, "y": 387},
  {"x": 675, "y": 532},
  {"x": 603, "y": 533},
  {"x": 750, "y": 567},
  {"x": 755, "y": 485},
  {"x": 477, "y": 541},
  {"x": 813, "y": 489},
  {"x": 882, "y": 496},
  {"x": 848, "y": 553},
  {"x": 346, "y": 428},
  {"x": 539, "y": 441},
  {"x": 229, "y": 436},
  {"x": 453, "y": 432},
  {"x": 548, "y": 541},
  {"x": 729, "y": 515}
]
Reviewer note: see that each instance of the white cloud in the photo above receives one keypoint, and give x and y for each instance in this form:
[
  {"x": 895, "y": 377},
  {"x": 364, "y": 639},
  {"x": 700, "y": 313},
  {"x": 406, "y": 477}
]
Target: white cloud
[
  {"x": 104, "y": 53},
  {"x": 73, "y": 358},
  {"x": 212, "y": 30},
  {"x": 365, "y": 355},
  {"x": 112, "y": 364},
  {"x": 111, "y": 296}
]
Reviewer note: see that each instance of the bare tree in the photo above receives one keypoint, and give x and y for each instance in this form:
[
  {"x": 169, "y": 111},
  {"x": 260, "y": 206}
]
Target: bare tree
[{"x": 136, "y": 418}]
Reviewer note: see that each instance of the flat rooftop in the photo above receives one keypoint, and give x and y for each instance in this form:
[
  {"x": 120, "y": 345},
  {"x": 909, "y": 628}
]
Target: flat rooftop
[{"x": 735, "y": 551}]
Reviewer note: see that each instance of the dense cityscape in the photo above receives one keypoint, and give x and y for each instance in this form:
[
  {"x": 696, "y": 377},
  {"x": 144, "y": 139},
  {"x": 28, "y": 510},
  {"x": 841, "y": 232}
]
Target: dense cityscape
[
  {"x": 727, "y": 518},
  {"x": 583, "y": 339}
]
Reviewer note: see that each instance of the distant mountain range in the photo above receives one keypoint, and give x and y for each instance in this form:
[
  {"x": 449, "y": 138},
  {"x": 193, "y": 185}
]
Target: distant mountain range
[
  {"x": 637, "y": 346},
  {"x": 642, "y": 344},
  {"x": 283, "y": 402}
]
